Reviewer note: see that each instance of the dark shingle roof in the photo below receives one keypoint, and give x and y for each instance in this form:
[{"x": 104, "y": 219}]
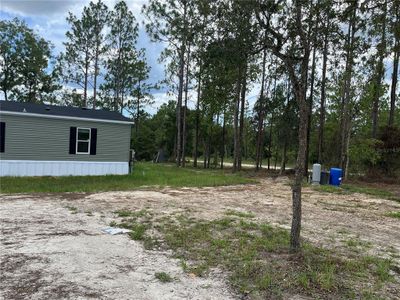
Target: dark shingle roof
[{"x": 65, "y": 111}]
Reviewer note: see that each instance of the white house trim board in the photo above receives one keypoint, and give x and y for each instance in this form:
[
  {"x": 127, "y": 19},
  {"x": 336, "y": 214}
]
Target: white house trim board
[
  {"x": 61, "y": 168},
  {"x": 13, "y": 113}
]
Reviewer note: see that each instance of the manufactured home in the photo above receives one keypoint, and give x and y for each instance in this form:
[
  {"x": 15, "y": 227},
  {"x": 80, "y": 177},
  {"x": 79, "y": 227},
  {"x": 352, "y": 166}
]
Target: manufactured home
[{"x": 48, "y": 140}]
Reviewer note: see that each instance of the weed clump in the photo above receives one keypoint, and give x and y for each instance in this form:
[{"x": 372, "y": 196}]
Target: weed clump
[{"x": 163, "y": 277}]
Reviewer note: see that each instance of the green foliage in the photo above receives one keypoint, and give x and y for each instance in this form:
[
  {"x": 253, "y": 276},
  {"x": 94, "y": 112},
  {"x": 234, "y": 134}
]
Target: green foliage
[
  {"x": 123, "y": 58},
  {"x": 79, "y": 64},
  {"x": 155, "y": 132},
  {"x": 364, "y": 154},
  {"x": 390, "y": 150},
  {"x": 24, "y": 59}
]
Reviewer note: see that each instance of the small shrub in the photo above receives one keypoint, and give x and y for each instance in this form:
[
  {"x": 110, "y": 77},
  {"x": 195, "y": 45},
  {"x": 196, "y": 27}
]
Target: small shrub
[{"x": 163, "y": 277}]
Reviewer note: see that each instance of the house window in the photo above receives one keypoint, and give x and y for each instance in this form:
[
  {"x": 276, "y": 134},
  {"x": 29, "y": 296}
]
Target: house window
[{"x": 82, "y": 140}]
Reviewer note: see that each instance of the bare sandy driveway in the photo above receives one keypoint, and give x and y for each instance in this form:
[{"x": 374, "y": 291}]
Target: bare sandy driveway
[{"x": 49, "y": 252}]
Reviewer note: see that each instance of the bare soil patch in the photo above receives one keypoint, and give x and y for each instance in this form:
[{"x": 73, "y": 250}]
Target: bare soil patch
[{"x": 52, "y": 246}]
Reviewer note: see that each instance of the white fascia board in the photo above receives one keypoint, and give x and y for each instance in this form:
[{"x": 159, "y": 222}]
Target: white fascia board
[{"x": 13, "y": 113}]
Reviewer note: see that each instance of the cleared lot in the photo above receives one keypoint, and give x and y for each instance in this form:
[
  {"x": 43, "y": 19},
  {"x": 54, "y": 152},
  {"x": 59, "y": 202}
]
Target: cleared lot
[{"x": 52, "y": 245}]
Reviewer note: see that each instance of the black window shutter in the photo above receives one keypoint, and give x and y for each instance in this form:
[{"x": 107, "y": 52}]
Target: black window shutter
[
  {"x": 72, "y": 140},
  {"x": 2, "y": 136},
  {"x": 93, "y": 141}
]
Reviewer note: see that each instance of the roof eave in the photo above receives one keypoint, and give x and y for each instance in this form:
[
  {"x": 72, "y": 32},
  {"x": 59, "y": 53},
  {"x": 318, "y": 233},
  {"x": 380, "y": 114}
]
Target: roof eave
[{"x": 4, "y": 112}]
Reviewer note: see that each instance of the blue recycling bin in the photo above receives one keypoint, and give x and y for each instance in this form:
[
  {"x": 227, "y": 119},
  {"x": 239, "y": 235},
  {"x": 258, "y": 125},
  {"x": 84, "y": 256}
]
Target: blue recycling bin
[{"x": 335, "y": 177}]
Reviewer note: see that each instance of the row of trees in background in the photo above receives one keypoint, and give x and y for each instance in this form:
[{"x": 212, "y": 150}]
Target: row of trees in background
[
  {"x": 325, "y": 71},
  {"x": 333, "y": 61},
  {"x": 101, "y": 64},
  {"x": 327, "y": 57}
]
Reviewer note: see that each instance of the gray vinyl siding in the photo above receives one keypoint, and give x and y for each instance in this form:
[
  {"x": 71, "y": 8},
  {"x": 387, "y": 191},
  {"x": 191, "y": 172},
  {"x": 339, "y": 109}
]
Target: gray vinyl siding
[{"x": 40, "y": 138}]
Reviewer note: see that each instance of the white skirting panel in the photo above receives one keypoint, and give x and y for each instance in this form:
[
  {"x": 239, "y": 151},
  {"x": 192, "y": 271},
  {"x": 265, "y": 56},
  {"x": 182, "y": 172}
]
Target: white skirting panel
[{"x": 61, "y": 168}]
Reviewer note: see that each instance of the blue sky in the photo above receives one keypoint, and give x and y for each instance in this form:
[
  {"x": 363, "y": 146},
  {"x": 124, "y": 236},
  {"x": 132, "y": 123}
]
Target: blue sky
[{"x": 48, "y": 19}]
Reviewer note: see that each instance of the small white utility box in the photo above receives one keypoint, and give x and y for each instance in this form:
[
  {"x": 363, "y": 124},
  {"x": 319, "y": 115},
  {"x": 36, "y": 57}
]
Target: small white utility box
[{"x": 316, "y": 174}]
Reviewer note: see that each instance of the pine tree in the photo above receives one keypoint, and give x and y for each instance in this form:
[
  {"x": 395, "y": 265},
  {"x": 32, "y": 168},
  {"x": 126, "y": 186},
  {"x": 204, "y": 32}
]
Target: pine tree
[{"x": 123, "y": 58}]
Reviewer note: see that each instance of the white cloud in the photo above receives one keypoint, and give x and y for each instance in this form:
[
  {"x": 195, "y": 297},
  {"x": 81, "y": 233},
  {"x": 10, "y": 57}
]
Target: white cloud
[{"x": 37, "y": 7}]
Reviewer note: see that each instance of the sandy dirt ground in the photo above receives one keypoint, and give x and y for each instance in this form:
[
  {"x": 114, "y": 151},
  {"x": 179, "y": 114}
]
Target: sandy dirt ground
[{"x": 49, "y": 252}]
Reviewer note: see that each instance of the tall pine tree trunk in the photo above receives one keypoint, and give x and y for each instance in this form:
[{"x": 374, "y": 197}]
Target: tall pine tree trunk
[
  {"x": 283, "y": 162},
  {"x": 323, "y": 97},
  {"x": 96, "y": 73},
  {"x": 345, "y": 127},
  {"x": 236, "y": 122},
  {"x": 242, "y": 109},
  {"x": 182, "y": 50},
  {"x": 223, "y": 140},
  {"x": 394, "y": 78},
  {"x": 85, "y": 83},
  {"x": 185, "y": 110},
  {"x": 310, "y": 104},
  {"x": 137, "y": 110},
  {"x": 209, "y": 141},
  {"x": 270, "y": 140},
  {"x": 311, "y": 98},
  {"x": 261, "y": 111},
  {"x": 379, "y": 73},
  {"x": 196, "y": 141}
]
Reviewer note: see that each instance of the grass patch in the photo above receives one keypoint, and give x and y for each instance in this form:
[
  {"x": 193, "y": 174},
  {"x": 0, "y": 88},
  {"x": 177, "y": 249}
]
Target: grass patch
[
  {"x": 357, "y": 245},
  {"x": 257, "y": 258},
  {"x": 163, "y": 277},
  {"x": 394, "y": 214},
  {"x": 239, "y": 214},
  {"x": 136, "y": 221},
  {"x": 144, "y": 175},
  {"x": 352, "y": 188}
]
